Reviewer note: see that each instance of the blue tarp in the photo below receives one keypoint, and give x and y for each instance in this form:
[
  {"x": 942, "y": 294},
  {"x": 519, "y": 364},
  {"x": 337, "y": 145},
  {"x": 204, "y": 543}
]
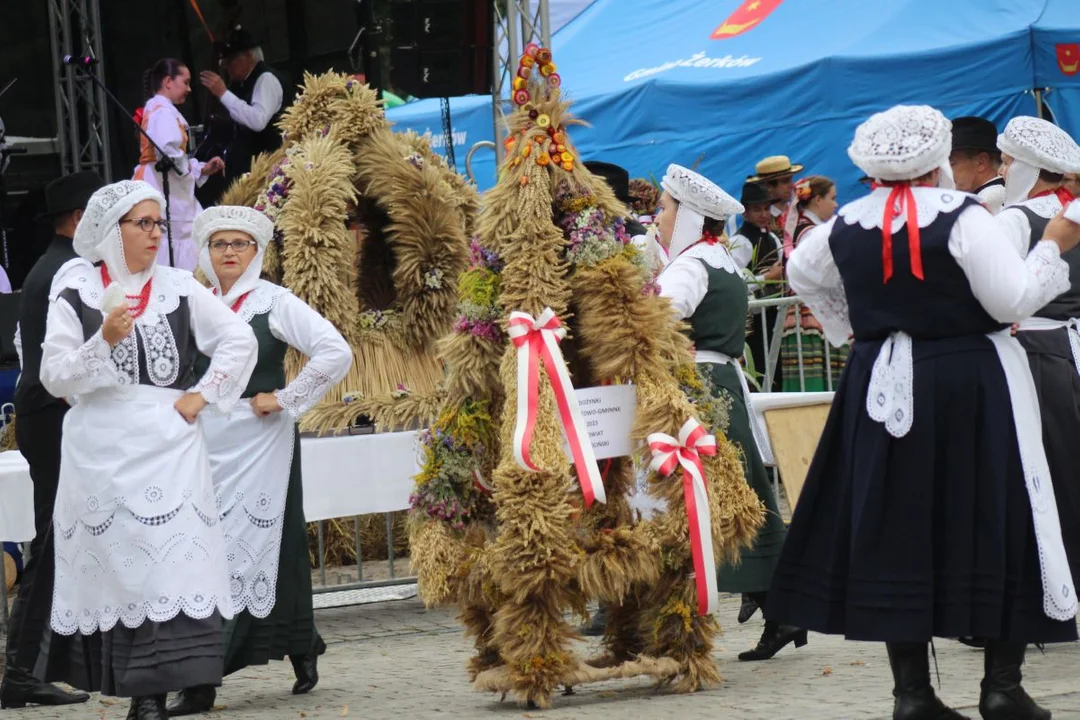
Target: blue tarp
[
  {"x": 730, "y": 81},
  {"x": 1056, "y": 45}
]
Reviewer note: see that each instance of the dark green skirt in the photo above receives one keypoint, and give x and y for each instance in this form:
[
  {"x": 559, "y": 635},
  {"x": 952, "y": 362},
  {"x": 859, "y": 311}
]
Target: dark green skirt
[
  {"x": 754, "y": 571},
  {"x": 289, "y": 629}
]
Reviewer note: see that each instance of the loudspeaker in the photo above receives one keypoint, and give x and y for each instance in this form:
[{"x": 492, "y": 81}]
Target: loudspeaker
[{"x": 442, "y": 48}]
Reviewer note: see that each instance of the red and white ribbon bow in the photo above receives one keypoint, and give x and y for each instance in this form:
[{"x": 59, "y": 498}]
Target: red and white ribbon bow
[
  {"x": 537, "y": 338},
  {"x": 668, "y": 453}
]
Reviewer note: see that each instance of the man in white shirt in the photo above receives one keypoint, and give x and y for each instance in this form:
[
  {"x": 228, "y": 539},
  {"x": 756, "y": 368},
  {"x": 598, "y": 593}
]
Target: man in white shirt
[{"x": 253, "y": 100}]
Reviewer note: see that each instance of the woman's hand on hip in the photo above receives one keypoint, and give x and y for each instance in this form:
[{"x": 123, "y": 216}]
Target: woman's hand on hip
[
  {"x": 265, "y": 404},
  {"x": 189, "y": 406},
  {"x": 117, "y": 325}
]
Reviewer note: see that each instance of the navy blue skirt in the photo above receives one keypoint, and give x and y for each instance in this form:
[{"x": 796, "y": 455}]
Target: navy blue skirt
[{"x": 904, "y": 539}]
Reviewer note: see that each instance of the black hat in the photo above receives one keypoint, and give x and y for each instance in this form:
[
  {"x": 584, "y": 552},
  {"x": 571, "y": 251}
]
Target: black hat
[
  {"x": 238, "y": 41},
  {"x": 617, "y": 178},
  {"x": 974, "y": 133},
  {"x": 70, "y": 192},
  {"x": 754, "y": 193}
]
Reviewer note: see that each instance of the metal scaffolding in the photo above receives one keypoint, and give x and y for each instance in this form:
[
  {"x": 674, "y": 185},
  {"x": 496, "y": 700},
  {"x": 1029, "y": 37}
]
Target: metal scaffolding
[
  {"x": 82, "y": 119},
  {"x": 517, "y": 23}
]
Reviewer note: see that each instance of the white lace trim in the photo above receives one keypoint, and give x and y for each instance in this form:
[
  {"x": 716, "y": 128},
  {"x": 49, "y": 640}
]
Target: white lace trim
[
  {"x": 699, "y": 193},
  {"x": 1045, "y": 206},
  {"x": 902, "y": 143},
  {"x": 1050, "y": 270},
  {"x": 717, "y": 256},
  {"x": 890, "y": 396},
  {"x": 262, "y": 299},
  {"x": 95, "y": 358},
  {"x": 1040, "y": 143},
  {"x": 304, "y": 391},
  {"x": 219, "y": 387},
  {"x": 158, "y": 343},
  {"x": 869, "y": 211}
]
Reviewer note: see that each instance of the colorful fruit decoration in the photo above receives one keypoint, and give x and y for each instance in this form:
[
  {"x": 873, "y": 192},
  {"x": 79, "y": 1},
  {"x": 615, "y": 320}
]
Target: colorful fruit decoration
[{"x": 555, "y": 152}]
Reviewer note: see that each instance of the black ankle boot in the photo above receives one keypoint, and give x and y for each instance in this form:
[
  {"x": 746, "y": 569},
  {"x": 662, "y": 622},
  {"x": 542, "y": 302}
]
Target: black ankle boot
[
  {"x": 774, "y": 639},
  {"x": 151, "y": 707},
  {"x": 747, "y": 609},
  {"x": 914, "y": 696},
  {"x": 193, "y": 700},
  {"x": 1003, "y": 698},
  {"x": 306, "y": 668}
]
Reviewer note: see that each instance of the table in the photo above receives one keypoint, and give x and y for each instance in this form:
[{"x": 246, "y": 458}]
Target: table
[{"x": 16, "y": 510}]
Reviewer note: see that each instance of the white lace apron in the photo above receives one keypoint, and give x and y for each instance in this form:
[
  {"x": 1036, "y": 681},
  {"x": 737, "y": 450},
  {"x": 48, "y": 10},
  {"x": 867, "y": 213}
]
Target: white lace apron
[
  {"x": 250, "y": 459},
  {"x": 136, "y": 528},
  {"x": 889, "y": 400}
]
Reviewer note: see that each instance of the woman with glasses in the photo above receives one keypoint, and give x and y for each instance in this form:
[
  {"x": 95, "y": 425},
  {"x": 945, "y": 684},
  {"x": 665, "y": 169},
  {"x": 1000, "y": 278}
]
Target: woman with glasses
[
  {"x": 165, "y": 86},
  {"x": 141, "y": 567},
  {"x": 255, "y": 456}
]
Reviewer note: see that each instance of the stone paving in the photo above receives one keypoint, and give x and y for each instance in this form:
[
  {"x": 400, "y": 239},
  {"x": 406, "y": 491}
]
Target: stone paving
[{"x": 396, "y": 660}]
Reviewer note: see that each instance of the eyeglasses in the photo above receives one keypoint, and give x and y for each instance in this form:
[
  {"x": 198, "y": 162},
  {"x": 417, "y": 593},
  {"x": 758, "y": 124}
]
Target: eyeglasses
[
  {"x": 146, "y": 224},
  {"x": 238, "y": 246}
]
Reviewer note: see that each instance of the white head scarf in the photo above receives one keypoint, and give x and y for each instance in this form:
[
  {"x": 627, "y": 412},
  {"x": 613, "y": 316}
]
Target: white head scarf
[
  {"x": 98, "y": 238},
  {"x": 903, "y": 143},
  {"x": 698, "y": 198},
  {"x": 233, "y": 217},
  {"x": 1035, "y": 144}
]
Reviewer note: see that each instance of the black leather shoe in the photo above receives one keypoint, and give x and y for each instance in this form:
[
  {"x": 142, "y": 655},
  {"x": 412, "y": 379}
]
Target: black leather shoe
[
  {"x": 192, "y": 701},
  {"x": 148, "y": 708},
  {"x": 774, "y": 639},
  {"x": 20, "y": 689},
  {"x": 747, "y": 609},
  {"x": 914, "y": 696},
  {"x": 306, "y": 668},
  {"x": 972, "y": 642},
  {"x": 1002, "y": 697}
]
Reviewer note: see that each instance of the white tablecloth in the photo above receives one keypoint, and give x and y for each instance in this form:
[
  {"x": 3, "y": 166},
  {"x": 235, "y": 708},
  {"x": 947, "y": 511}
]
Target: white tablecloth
[
  {"x": 343, "y": 476},
  {"x": 16, "y": 499},
  {"x": 358, "y": 474}
]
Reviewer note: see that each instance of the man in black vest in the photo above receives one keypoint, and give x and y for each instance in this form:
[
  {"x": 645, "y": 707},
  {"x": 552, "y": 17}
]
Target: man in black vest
[
  {"x": 253, "y": 99},
  {"x": 975, "y": 161},
  {"x": 40, "y": 422}
]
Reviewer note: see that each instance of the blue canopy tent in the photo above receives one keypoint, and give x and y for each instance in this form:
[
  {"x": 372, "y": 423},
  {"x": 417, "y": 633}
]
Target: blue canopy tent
[
  {"x": 728, "y": 82},
  {"x": 1055, "y": 41}
]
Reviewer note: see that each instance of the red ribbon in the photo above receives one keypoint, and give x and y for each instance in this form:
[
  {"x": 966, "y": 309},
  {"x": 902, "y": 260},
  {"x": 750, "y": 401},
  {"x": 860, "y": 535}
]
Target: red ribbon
[
  {"x": 1062, "y": 193},
  {"x": 900, "y": 199}
]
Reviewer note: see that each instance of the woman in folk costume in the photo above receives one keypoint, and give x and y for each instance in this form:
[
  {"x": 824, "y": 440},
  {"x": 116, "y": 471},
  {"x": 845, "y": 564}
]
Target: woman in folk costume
[
  {"x": 140, "y": 555},
  {"x": 1037, "y": 154},
  {"x": 707, "y": 290},
  {"x": 802, "y": 350},
  {"x": 928, "y": 508},
  {"x": 166, "y": 85},
  {"x": 255, "y": 456}
]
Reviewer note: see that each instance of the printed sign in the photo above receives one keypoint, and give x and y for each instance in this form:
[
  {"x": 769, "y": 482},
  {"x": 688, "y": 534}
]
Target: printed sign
[{"x": 609, "y": 413}]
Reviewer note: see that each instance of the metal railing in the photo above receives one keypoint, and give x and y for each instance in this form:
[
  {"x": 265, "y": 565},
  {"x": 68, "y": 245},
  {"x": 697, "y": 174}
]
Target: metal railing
[
  {"x": 773, "y": 336},
  {"x": 349, "y": 578}
]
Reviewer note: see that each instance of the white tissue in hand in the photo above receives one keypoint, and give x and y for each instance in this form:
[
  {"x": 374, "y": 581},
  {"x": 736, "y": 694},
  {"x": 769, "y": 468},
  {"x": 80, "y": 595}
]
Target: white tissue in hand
[
  {"x": 114, "y": 297},
  {"x": 1072, "y": 211}
]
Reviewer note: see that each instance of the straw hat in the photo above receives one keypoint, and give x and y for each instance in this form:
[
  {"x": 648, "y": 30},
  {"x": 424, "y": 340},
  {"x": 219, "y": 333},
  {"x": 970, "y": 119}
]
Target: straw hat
[{"x": 774, "y": 167}]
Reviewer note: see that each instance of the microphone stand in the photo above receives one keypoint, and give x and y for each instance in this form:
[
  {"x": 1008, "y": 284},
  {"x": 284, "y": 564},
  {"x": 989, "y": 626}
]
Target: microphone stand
[{"x": 164, "y": 166}]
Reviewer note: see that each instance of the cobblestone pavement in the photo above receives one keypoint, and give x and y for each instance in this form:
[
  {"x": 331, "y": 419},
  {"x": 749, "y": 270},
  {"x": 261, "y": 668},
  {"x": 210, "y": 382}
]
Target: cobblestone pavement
[{"x": 396, "y": 660}]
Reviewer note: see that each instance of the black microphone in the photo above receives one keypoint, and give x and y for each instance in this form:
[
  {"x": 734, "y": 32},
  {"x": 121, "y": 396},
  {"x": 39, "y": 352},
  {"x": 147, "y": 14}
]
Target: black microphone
[{"x": 79, "y": 61}]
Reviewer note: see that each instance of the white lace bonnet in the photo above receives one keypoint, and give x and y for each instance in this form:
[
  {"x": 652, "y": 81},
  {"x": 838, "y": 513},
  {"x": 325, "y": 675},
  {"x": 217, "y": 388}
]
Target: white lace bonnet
[
  {"x": 698, "y": 198},
  {"x": 103, "y": 213},
  {"x": 1041, "y": 144},
  {"x": 232, "y": 217},
  {"x": 902, "y": 143}
]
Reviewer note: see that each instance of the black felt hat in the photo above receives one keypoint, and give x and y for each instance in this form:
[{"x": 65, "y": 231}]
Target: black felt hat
[
  {"x": 70, "y": 192},
  {"x": 617, "y": 178},
  {"x": 238, "y": 41},
  {"x": 974, "y": 133},
  {"x": 754, "y": 193}
]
